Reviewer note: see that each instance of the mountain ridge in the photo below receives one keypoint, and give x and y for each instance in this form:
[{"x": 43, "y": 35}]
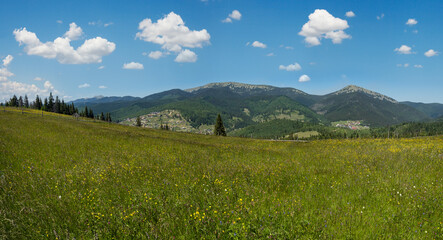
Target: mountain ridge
[{"x": 244, "y": 104}]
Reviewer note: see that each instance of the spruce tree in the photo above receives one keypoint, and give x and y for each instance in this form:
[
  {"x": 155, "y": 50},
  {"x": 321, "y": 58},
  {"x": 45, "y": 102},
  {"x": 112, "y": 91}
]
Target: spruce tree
[
  {"x": 138, "y": 122},
  {"x": 219, "y": 128},
  {"x": 102, "y": 117},
  {"x": 50, "y": 107},
  {"x": 26, "y": 101}
]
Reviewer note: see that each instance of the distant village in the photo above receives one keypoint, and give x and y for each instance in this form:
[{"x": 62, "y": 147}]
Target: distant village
[{"x": 353, "y": 125}]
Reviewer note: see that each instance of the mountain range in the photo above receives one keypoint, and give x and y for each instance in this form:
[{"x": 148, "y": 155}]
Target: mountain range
[{"x": 242, "y": 105}]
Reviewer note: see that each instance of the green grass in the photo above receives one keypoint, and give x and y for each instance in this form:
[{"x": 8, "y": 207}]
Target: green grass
[{"x": 62, "y": 178}]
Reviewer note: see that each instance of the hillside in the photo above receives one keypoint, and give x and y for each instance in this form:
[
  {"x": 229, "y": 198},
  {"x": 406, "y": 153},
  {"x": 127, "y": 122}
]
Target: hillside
[
  {"x": 63, "y": 178},
  {"x": 432, "y": 110},
  {"x": 355, "y": 103},
  {"x": 243, "y": 105}
]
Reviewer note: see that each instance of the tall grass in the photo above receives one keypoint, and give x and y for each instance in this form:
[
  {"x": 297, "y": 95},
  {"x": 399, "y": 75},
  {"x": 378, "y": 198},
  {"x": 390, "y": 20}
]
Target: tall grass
[{"x": 65, "y": 179}]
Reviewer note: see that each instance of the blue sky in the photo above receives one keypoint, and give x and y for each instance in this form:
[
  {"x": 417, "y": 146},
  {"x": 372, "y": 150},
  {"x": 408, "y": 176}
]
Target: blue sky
[{"x": 375, "y": 49}]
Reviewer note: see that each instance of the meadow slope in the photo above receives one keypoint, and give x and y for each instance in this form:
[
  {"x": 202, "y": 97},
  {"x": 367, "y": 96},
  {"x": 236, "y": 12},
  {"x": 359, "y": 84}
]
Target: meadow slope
[{"x": 65, "y": 179}]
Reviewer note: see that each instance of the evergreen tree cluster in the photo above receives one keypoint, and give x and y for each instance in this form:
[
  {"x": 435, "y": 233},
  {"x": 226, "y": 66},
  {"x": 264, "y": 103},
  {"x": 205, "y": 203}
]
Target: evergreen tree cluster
[
  {"x": 55, "y": 105},
  {"x": 48, "y": 104},
  {"x": 164, "y": 127}
]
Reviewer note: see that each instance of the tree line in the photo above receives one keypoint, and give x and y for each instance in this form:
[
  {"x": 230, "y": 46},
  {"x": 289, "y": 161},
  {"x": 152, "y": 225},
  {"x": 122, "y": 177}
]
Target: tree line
[{"x": 55, "y": 105}]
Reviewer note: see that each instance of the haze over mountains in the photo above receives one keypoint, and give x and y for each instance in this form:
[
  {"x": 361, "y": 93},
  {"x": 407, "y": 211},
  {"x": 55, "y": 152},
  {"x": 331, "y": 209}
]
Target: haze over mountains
[{"x": 242, "y": 105}]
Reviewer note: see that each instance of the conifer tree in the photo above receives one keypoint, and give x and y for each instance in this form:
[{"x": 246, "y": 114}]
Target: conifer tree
[
  {"x": 26, "y": 101},
  {"x": 102, "y": 117},
  {"x": 219, "y": 128},
  {"x": 138, "y": 122},
  {"x": 91, "y": 113},
  {"x": 50, "y": 107}
]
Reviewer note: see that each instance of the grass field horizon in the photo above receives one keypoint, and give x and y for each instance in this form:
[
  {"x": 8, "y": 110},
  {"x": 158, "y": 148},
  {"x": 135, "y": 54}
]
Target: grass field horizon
[{"x": 63, "y": 179}]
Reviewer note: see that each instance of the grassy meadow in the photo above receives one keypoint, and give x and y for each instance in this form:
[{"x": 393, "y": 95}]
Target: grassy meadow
[{"x": 63, "y": 179}]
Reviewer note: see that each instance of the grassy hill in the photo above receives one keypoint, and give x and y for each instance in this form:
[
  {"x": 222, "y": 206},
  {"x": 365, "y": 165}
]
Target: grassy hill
[{"x": 62, "y": 179}]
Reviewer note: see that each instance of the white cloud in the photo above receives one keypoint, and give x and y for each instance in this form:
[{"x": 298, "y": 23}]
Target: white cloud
[
  {"x": 381, "y": 16},
  {"x": 7, "y": 60},
  {"x": 431, "y": 53},
  {"x": 270, "y": 54},
  {"x": 403, "y": 65},
  {"x": 403, "y": 49},
  {"x": 9, "y": 88},
  {"x": 290, "y": 67},
  {"x": 102, "y": 87},
  {"x": 74, "y": 32},
  {"x": 101, "y": 67},
  {"x": 418, "y": 66},
  {"x": 5, "y": 74},
  {"x": 258, "y": 44},
  {"x": 322, "y": 24},
  {"x": 91, "y": 51},
  {"x": 411, "y": 22},
  {"x": 155, "y": 54},
  {"x": 236, "y": 15},
  {"x": 304, "y": 78},
  {"x": 133, "y": 65},
  {"x": 350, "y": 14},
  {"x": 38, "y": 79},
  {"x": 171, "y": 33},
  {"x": 84, "y": 85},
  {"x": 227, "y": 20},
  {"x": 108, "y": 24},
  {"x": 59, "y": 21},
  {"x": 186, "y": 56}
]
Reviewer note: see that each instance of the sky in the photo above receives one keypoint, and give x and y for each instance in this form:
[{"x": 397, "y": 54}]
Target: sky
[{"x": 78, "y": 49}]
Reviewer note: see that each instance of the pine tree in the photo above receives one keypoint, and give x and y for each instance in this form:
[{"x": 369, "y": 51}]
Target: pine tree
[
  {"x": 91, "y": 113},
  {"x": 138, "y": 122},
  {"x": 26, "y": 101},
  {"x": 102, "y": 117},
  {"x": 50, "y": 107},
  {"x": 219, "y": 128},
  {"x": 20, "y": 101}
]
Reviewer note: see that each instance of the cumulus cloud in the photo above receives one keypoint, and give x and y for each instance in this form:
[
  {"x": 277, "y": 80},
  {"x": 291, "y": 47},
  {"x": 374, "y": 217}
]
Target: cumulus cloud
[
  {"x": 155, "y": 54},
  {"x": 236, "y": 15},
  {"x": 9, "y": 88},
  {"x": 7, "y": 60},
  {"x": 171, "y": 33},
  {"x": 411, "y": 22},
  {"x": 186, "y": 56},
  {"x": 403, "y": 49},
  {"x": 59, "y": 21},
  {"x": 4, "y": 72},
  {"x": 418, "y": 66},
  {"x": 74, "y": 32},
  {"x": 350, "y": 14},
  {"x": 270, "y": 54},
  {"x": 84, "y": 85},
  {"x": 101, "y": 67},
  {"x": 102, "y": 87},
  {"x": 227, "y": 20},
  {"x": 91, "y": 51},
  {"x": 38, "y": 79},
  {"x": 258, "y": 44},
  {"x": 304, "y": 78},
  {"x": 133, "y": 65},
  {"x": 290, "y": 67},
  {"x": 431, "y": 53},
  {"x": 322, "y": 24}
]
